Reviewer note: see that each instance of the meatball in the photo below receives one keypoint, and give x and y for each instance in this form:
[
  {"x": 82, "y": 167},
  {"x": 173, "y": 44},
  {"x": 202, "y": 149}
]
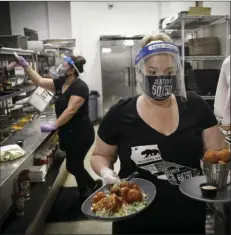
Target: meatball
[
  {"x": 98, "y": 196},
  {"x": 224, "y": 155},
  {"x": 134, "y": 195},
  {"x": 124, "y": 184},
  {"x": 124, "y": 193},
  {"x": 116, "y": 190},
  {"x": 135, "y": 186},
  {"x": 211, "y": 156}
]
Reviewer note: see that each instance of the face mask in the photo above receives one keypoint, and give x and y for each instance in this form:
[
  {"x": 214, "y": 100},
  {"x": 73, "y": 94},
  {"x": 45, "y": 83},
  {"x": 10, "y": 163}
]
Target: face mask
[
  {"x": 63, "y": 71},
  {"x": 158, "y": 87}
]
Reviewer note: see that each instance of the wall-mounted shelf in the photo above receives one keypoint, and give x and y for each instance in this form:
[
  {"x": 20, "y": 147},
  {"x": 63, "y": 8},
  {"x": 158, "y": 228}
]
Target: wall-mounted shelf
[
  {"x": 196, "y": 22},
  {"x": 22, "y": 90},
  {"x": 9, "y": 51},
  {"x": 201, "y": 58}
]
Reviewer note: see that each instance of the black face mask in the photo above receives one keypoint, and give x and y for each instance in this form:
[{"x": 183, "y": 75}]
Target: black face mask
[{"x": 158, "y": 87}]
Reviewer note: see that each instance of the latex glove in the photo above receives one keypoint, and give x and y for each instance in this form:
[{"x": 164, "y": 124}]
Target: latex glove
[
  {"x": 48, "y": 127},
  {"x": 109, "y": 176},
  {"x": 21, "y": 62}
]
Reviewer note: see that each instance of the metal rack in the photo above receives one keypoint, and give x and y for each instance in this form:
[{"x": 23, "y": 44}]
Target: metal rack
[
  {"x": 191, "y": 24},
  {"x": 9, "y": 98}
]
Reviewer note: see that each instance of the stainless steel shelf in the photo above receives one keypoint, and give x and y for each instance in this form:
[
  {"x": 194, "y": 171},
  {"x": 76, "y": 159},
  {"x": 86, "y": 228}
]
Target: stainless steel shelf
[
  {"x": 22, "y": 90},
  {"x": 196, "y": 22},
  {"x": 9, "y": 51},
  {"x": 200, "y": 58},
  {"x": 208, "y": 97}
]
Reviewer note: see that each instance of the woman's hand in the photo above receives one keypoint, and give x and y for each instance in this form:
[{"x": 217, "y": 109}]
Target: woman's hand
[
  {"x": 45, "y": 83},
  {"x": 109, "y": 176},
  {"x": 48, "y": 127},
  {"x": 22, "y": 62}
]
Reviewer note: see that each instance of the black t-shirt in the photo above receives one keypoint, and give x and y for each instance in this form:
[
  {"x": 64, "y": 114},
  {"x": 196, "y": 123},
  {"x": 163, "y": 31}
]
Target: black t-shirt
[
  {"x": 77, "y": 88},
  {"x": 171, "y": 157}
]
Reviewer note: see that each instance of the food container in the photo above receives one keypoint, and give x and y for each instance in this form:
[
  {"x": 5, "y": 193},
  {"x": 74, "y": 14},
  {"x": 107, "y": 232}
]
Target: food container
[
  {"x": 17, "y": 111},
  {"x": 4, "y": 120},
  {"x": 24, "y": 184},
  {"x": 216, "y": 174},
  {"x": 199, "y": 11},
  {"x": 204, "y": 46},
  {"x": 18, "y": 203},
  {"x": 208, "y": 190},
  {"x": 14, "y": 41}
]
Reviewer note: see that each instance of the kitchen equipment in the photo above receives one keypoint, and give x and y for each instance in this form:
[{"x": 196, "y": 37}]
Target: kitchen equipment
[
  {"x": 17, "y": 111},
  {"x": 18, "y": 203},
  {"x": 146, "y": 186},
  {"x": 204, "y": 46},
  {"x": 20, "y": 143},
  {"x": 4, "y": 135},
  {"x": 14, "y": 41},
  {"x": 40, "y": 99},
  {"x": 191, "y": 188},
  {"x": 4, "y": 120},
  {"x": 61, "y": 42},
  {"x": 216, "y": 174},
  {"x": 35, "y": 45},
  {"x": 203, "y": 81}
]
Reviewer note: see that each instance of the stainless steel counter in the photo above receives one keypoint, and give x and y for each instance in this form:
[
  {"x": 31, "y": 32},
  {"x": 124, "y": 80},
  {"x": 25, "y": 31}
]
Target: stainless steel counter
[{"x": 32, "y": 138}]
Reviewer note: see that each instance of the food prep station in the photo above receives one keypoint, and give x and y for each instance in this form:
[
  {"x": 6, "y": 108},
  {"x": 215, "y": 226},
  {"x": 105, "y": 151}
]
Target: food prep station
[{"x": 20, "y": 123}]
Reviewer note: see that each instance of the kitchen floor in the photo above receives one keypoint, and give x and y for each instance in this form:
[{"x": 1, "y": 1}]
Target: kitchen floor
[{"x": 84, "y": 226}]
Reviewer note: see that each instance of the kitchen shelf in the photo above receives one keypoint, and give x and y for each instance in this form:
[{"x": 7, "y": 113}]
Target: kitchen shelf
[
  {"x": 200, "y": 58},
  {"x": 42, "y": 54},
  {"x": 22, "y": 90},
  {"x": 196, "y": 22},
  {"x": 9, "y": 51}
]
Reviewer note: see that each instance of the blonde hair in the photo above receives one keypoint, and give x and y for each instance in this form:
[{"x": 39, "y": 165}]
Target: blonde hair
[
  {"x": 159, "y": 37},
  {"x": 144, "y": 42}
]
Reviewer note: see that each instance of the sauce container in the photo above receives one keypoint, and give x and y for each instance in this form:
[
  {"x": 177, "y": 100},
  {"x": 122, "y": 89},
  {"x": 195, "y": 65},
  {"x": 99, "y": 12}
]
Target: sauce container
[{"x": 208, "y": 190}]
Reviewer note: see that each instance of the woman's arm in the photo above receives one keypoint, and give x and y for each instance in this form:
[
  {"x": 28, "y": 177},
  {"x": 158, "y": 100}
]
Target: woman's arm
[
  {"x": 213, "y": 138},
  {"x": 74, "y": 104},
  {"x": 102, "y": 156},
  {"x": 45, "y": 83}
]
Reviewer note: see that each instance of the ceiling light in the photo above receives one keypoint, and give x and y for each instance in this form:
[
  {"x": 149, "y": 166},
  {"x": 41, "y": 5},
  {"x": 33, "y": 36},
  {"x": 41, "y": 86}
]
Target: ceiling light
[
  {"x": 106, "y": 50},
  {"x": 128, "y": 42}
]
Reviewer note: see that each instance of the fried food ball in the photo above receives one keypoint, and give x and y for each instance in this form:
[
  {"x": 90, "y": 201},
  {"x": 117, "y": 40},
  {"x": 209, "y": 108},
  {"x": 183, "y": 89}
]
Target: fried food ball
[
  {"x": 116, "y": 190},
  {"x": 98, "y": 196},
  {"x": 135, "y": 186},
  {"x": 224, "y": 155},
  {"x": 211, "y": 156},
  {"x": 124, "y": 193},
  {"x": 124, "y": 184},
  {"x": 114, "y": 203},
  {"x": 134, "y": 195}
]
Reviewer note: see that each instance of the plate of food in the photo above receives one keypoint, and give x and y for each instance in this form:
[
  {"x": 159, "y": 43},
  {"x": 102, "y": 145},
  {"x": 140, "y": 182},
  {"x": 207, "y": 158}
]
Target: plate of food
[{"x": 119, "y": 201}]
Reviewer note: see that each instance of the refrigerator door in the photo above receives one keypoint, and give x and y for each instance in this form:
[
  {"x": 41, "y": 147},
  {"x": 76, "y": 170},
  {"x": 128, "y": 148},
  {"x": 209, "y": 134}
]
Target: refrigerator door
[{"x": 118, "y": 72}]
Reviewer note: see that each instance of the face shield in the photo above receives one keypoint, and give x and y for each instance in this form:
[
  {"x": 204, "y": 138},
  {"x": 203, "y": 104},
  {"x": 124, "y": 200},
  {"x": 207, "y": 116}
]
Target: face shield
[
  {"x": 159, "y": 71},
  {"x": 62, "y": 69}
]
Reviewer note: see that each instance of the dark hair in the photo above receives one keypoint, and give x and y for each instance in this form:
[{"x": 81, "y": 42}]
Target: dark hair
[{"x": 79, "y": 61}]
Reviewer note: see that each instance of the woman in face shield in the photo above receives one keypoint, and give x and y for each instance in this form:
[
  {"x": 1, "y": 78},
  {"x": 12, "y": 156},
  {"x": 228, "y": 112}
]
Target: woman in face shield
[
  {"x": 162, "y": 134},
  {"x": 76, "y": 132}
]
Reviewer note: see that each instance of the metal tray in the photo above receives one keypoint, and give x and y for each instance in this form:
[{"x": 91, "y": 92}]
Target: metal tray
[
  {"x": 191, "y": 188},
  {"x": 146, "y": 186}
]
